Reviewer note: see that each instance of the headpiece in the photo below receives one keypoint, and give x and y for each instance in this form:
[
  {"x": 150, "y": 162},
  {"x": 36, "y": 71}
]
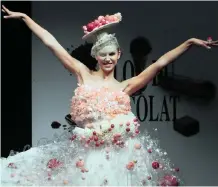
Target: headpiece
[{"x": 97, "y": 32}]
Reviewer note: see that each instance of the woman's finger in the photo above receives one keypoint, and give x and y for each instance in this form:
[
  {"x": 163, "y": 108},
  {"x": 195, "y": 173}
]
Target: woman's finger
[
  {"x": 6, "y": 17},
  {"x": 215, "y": 42},
  {"x": 206, "y": 45},
  {"x": 6, "y": 10}
]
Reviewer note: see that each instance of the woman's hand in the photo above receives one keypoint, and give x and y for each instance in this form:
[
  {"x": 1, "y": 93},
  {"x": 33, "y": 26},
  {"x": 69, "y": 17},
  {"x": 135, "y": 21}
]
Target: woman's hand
[
  {"x": 10, "y": 14},
  {"x": 207, "y": 44}
]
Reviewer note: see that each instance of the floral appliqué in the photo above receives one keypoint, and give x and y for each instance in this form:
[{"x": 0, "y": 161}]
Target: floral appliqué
[{"x": 91, "y": 103}]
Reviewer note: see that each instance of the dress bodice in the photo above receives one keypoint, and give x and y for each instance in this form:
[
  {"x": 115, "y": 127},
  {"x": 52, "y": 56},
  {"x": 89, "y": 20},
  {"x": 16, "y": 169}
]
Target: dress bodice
[{"x": 91, "y": 104}]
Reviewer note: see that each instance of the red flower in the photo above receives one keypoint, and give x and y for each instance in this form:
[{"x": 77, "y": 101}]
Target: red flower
[
  {"x": 95, "y": 138},
  {"x": 155, "y": 165},
  {"x": 97, "y": 144},
  {"x": 90, "y": 27}
]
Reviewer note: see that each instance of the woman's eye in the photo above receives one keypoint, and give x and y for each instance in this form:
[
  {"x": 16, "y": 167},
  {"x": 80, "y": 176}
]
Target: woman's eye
[{"x": 112, "y": 54}]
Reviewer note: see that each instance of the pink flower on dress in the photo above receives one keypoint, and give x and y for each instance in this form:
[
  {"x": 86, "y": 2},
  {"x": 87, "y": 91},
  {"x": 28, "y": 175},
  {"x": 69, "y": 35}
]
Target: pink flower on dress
[
  {"x": 80, "y": 164},
  {"x": 12, "y": 165},
  {"x": 131, "y": 165},
  {"x": 54, "y": 163},
  {"x": 169, "y": 180},
  {"x": 101, "y": 100},
  {"x": 137, "y": 146}
]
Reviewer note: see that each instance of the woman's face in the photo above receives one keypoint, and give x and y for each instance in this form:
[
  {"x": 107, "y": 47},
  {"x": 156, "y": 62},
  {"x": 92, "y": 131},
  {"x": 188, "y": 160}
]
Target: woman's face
[{"x": 107, "y": 58}]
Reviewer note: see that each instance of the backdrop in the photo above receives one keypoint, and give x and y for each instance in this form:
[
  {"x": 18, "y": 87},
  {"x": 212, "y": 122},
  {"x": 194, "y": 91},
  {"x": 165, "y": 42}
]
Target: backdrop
[{"x": 166, "y": 25}]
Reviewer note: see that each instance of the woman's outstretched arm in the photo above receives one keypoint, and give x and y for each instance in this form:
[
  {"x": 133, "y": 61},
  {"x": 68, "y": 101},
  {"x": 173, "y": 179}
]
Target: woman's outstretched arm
[
  {"x": 138, "y": 82},
  {"x": 49, "y": 40}
]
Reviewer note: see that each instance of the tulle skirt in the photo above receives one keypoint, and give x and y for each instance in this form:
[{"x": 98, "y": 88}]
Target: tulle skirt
[{"x": 119, "y": 156}]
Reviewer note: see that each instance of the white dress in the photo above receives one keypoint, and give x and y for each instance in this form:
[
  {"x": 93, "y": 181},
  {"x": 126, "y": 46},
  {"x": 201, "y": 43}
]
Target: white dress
[{"x": 108, "y": 149}]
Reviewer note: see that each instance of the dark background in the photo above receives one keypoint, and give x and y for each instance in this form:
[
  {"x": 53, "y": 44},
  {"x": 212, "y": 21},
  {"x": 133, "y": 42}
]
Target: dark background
[{"x": 16, "y": 124}]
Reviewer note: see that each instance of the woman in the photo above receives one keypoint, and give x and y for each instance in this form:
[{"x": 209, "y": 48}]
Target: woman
[{"x": 107, "y": 149}]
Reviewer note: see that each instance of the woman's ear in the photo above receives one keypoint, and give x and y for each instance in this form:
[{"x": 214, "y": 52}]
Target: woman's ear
[{"x": 119, "y": 53}]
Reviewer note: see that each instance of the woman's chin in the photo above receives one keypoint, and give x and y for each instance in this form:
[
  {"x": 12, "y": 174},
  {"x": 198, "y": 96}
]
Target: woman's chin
[{"x": 108, "y": 67}]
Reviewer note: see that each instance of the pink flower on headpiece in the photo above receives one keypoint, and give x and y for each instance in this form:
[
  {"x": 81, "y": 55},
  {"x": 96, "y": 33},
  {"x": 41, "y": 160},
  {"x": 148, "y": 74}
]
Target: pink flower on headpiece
[
  {"x": 100, "y": 18},
  {"x": 103, "y": 21},
  {"x": 84, "y": 28},
  {"x": 90, "y": 27},
  {"x": 96, "y": 23},
  {"x": 114, "y": 18},
  {"x": 118, "y": 16}
]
